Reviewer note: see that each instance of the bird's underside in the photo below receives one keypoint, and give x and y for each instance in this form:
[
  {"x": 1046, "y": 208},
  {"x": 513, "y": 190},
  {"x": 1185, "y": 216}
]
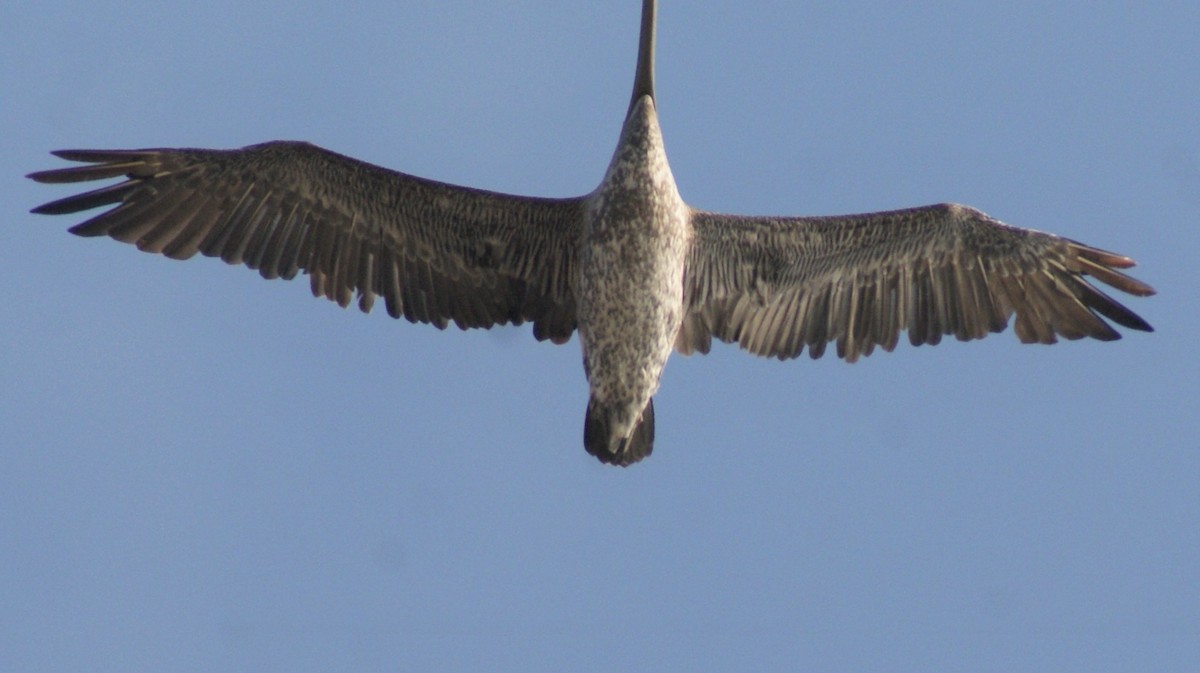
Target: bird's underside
[{"x": 439, "y": 253}]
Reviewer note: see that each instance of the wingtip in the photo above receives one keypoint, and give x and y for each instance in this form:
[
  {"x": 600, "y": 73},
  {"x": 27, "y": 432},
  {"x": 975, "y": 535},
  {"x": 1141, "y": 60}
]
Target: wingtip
[
  {"x": 1140, "y": 325},
  {"x": 44, "y": 177},
  {"x": 1103, "y": 265},
  {"x": 1105, "y": 257},
  {"x": 95, "y": 156},
  {"x": 63, "y": 206},
  {"x": 57, "y": 175}
]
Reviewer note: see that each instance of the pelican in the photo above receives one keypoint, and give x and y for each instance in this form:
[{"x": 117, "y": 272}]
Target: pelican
[{"x": 631, "y": 266}]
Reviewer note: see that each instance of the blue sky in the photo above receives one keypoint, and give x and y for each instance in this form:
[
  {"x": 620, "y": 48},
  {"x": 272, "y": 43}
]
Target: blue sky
[{"x": 203, "y": 471}]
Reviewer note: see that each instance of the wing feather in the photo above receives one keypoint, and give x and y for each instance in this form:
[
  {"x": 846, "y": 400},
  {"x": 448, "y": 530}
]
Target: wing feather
[
  {"x": 435, "y": 252},
  {"x": 777, "y": 285}
]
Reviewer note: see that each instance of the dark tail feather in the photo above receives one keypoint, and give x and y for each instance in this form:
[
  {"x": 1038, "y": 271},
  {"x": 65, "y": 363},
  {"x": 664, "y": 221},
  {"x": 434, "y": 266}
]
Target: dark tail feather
[{"x": 599, "y": 441}]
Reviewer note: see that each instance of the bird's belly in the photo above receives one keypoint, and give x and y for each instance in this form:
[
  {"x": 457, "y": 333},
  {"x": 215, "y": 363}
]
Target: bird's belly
[{"x": 630, "y": 310}]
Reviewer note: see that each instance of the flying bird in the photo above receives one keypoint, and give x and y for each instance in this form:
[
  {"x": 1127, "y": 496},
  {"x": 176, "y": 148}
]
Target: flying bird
[{"x": 631, "y": 266}]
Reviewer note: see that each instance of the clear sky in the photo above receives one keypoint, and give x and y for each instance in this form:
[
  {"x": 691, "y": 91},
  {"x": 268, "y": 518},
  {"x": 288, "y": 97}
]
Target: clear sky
[{"x": 203, "y": 471}]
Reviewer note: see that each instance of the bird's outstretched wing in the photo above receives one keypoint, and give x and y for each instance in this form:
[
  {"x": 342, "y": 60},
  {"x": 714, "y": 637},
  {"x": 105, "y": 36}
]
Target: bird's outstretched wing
[
  {"x": 776, "y": 285},
  {"x": 434, "y": 252}
]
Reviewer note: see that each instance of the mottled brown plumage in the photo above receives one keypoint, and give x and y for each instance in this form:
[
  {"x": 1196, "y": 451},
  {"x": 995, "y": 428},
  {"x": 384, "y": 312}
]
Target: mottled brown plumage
[{"x": 630, "y": 265}]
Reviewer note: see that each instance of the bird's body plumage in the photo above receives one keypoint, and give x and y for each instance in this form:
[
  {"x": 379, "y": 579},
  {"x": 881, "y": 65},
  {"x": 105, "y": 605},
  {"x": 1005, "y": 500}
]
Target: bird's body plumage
[
  {"x": 630, "y": 284},
  {"x": 631, "y": 266}
]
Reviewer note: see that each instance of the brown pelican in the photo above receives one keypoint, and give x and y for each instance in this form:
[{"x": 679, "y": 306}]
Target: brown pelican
[{"x": 634, "y": 268}]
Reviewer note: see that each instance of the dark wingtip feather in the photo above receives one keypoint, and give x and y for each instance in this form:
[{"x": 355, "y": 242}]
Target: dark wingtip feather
[
  {"x": 76, "y": 155},
  {"x": 1097, "y": 300},
  {"x": 102, "y": 171},
  {"x": 86, "y": 201},
  {"x": 98, "y": 156},
  {"x": 48, "y": 209},
  {"x": 104, "y": 164},
  {"x": 1105, "y": 257},
  {"x": 1101, "y": 264}
]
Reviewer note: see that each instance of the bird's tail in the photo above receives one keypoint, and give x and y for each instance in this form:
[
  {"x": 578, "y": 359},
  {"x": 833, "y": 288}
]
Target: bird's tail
[{"x": 600, "y": 439}]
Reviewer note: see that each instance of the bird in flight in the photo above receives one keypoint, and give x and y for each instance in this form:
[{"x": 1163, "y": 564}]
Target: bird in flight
[{"x": 631, "y": 266}]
